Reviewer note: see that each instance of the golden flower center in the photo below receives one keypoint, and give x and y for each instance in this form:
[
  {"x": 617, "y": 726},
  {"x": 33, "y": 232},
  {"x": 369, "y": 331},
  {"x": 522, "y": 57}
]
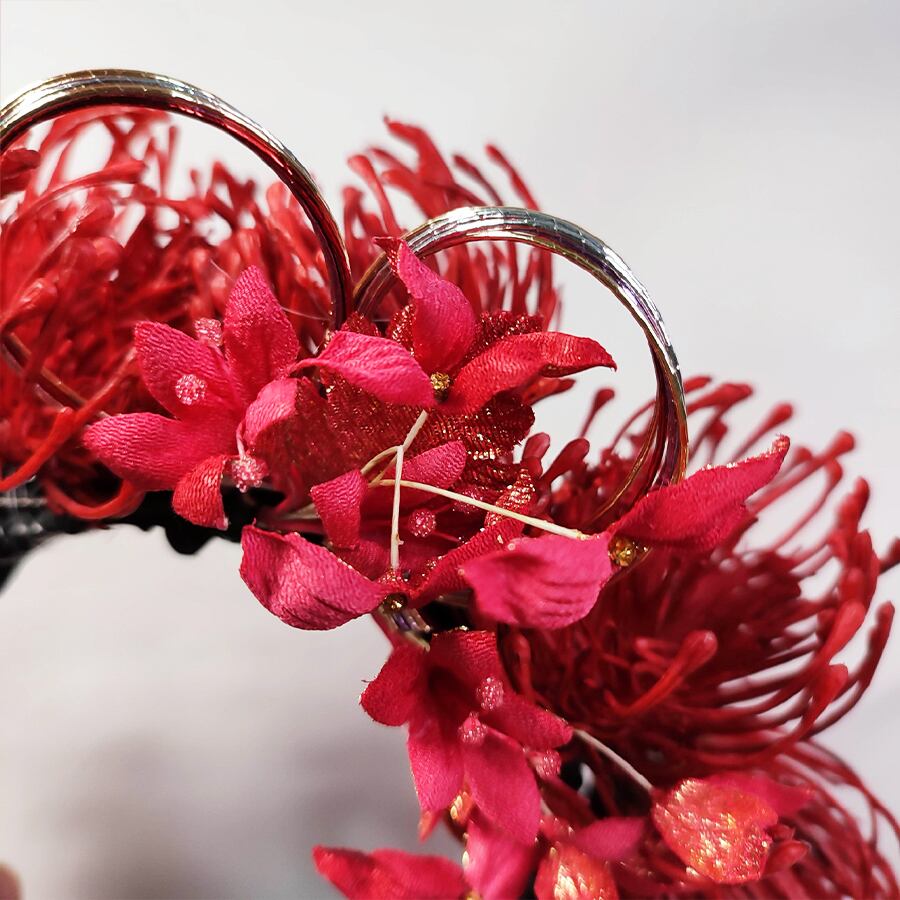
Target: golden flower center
[{"x": 440, "y": 381}]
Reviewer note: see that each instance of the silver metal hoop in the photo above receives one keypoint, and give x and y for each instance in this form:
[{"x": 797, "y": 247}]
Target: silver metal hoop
[
  {"x": 105, "y": 87},
  {"x": 664, "y": 456}
]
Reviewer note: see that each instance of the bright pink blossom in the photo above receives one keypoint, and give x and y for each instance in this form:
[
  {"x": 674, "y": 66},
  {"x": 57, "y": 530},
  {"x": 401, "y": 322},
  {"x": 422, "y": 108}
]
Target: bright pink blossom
[
  {"x": 221, "y": 401},
  {"x": 462, "y": 736}
]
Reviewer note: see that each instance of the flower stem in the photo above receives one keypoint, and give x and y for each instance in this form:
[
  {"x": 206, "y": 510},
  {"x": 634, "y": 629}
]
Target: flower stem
[
  {"x": 542, "y": 524},
  {"x": 395, "y": 513},
  {"x": 407, "y": 443},
  {"x": 614, "y": 757}
]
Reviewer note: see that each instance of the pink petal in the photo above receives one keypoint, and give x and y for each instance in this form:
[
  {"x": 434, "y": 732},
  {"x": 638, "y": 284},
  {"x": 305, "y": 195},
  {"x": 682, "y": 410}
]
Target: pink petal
[
  {"x": 785, "y": 799},
  {"x": 444, "y": 324},
  {"x": 545, "y": 582},
  {"x": 165, "y": 356},
  {"x": 527, "y": 723},
  {"x": 378, "y": 365},
  {"x": 717, "y": 830},
  {"x": 497, "y": 866},
  {"x": 503, "y": 786},
  {"x": 613, "y": 839},
  {"x": 446, "y": 575},
  {"x": 390, "y": 875},
  {"x": 152, "y": 451},
  {"x": 339, "y": 505},
  {"x": 394, "y": 694},
  {"x": 275, "y": 403},
  {"x": 515, "y": 360},
  {"x": 701, "y": 511},
  {"x": 260, "y": 342},
  {"x": 198, "y": 495},
  {"x": 436, "y": 763},
  {"x": 302, "y": 583}
]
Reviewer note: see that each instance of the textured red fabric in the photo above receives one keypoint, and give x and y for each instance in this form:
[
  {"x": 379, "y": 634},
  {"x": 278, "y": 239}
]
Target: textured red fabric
[
  {"x": 260, "y": 342},
  {"x": 443, "y": 323},
  {"x": 339, "y": 505},
  {"x": 275, "y": 403},
  {"x": 545, "y": 582},
  {"x": 304, "y": 584},
  {"x": 378, "y": 365},
  {"x": 390, "y": 875},
  {"x": 703, "y": 510},
  {"x": 496, "y": 866},
  {"x": 198, "y": 496}
]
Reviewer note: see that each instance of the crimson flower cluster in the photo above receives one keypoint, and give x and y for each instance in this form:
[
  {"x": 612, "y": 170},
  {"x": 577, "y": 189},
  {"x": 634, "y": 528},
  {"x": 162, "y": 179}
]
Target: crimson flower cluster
[{"x": 595, "y": 711}]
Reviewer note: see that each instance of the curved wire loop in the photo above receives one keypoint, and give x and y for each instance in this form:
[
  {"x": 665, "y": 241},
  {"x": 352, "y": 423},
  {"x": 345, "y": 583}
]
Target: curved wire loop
[
  {"x": 123, "y": 87},
  {"x": 663, "y": 457}
]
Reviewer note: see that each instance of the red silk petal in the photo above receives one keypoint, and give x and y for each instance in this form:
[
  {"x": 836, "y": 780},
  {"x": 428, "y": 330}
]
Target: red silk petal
[
  {"x": 339, "y": 505},
  {"x": 198, "y": 495},
  {"x": 304, "y": 584},
  {"x": 378, "y": 365},
  {"x": 612, "y": 839},
  {"x": 446, "y": 574},
  {"x": 545, "y": 582},
  {"x": 515, "y": 360},
  {"x": 275, "y": 403},
  {"x": 392, "y": 697},
  {"x": 436, "y": 763},
  {"x": 443, "y": 324},
  {"x": 568, "y": 872},
  {"x": 151, "y": 451},
  {"x": 502, "y": 785},
  {"x": 702, "y": 510},
  {"x": 260, "y": 342},
  {"x": 717, "y": 830},
  {"x": 389, "y": 875},
  {"x": 166, "y": 355},
  {"x": 496, "y": 866}
]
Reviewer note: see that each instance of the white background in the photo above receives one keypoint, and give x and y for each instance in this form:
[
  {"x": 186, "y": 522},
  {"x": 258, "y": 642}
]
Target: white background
[{"x": 161, "y": 735}]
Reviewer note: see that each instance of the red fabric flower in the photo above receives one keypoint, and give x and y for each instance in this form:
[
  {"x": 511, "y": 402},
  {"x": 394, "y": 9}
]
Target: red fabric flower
[
  {"x": 443, "y": 332},
  {"x": 221, "y": 400},
  {"x": 466, "y": 727}
]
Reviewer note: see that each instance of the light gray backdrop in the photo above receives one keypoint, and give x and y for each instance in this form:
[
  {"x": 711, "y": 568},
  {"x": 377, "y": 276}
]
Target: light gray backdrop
[{"x": 161, "y": 735}]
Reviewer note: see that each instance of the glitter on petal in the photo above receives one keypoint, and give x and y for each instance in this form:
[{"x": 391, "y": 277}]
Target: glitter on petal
[{"x": 190, "y": 389}]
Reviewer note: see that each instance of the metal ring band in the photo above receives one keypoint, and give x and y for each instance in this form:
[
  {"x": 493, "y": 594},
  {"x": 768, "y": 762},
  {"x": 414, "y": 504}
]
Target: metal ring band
[
  {"x": 664, "y": 457},
  {"x": 104, "y": 87}
]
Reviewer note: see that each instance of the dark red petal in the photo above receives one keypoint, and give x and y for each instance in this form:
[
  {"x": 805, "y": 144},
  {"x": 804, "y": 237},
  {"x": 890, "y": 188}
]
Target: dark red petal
[
  {"x": 436, "y": 762},
  {"x": 304, "y": 584},
  {"x": 503, "y": 786},
  {"x": 260, "y": 342},
  {"x": 568, "y": 872},
  {"x": 275, "y": 403},
  {"x": 702, "y": 510},
  {"x": 389, "y": 875},
  {"x": 444, "y": 324},
  {"x": 198, "y": 495},
  {"x": 515, "y": 360},
  {"x": 152, "y": 451},
  {"x": 612, "y": 839},
  {"x": 718, "y": 831},
  {"x": 380, "y": 366},
  {"x": 392, "y": 697},
  {"x": 166, "y": 356},
  {"x": 339, "y": 505},
  {"x": 545, "y": 582},
  {"x": 497, "y": 866}
]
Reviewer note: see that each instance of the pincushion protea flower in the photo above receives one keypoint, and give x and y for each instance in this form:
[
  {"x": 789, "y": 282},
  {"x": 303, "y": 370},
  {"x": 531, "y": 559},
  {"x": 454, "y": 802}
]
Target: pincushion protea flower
[{"x": 590, "y": 727}]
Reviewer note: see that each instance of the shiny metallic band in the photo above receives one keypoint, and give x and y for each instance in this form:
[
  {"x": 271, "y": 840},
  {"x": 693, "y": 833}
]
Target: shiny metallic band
[
  {"x": 664, "y": 455},
  {"x": 105, "y": 87}
]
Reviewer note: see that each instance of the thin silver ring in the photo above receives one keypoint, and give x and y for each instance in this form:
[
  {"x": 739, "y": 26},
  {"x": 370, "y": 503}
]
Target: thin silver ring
[
  {"x": 105, "y": 87},
  {"x": 664, "y": 457}
]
